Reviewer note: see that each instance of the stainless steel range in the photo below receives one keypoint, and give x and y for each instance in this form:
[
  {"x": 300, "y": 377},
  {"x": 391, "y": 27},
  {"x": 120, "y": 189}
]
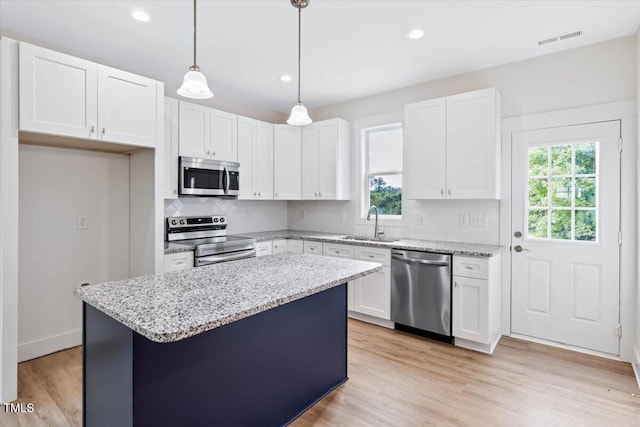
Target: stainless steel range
[{"x": 209, "y": 236}]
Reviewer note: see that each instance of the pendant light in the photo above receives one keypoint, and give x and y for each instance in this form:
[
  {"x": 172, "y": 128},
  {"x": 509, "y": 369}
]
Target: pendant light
[
  {"x": 299, "y": 115},
  {"x": 194, "y": 84}
]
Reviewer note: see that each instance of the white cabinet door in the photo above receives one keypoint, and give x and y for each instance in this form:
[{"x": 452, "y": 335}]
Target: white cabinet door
[
  {"x": 127, "y": 108},
  {"x": 296, "y": 246},
  {"x": 170, "y": 148},
  {"x": 310, "y": 161},
  {"x": 280, "y": 246},
  {"x": 473, "y": 145},
  {"x": 264, "y": 248},
  {"x": 373, "y": 294},
  {"x": 263, "y": 161},
  {"x": 178, "y": 261},
  {"x": 286, "y": 162},
  {"x": 58, "y": 93},
  {"x": 194, "y": 130},
  {"x": 424, "y": 150},
  {"x": 327, "y": 159},
  {"x": 247, "y": 158},
  {"x": 224, "y": 136},
  {"x": 470, "y": 309}
]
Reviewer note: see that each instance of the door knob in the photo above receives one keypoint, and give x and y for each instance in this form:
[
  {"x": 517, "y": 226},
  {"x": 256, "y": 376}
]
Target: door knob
[{"x": 519, "y": 248}]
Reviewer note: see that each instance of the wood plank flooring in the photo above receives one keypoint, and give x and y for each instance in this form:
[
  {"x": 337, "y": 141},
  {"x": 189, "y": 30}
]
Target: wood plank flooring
[{"x": 401, "y": 380}]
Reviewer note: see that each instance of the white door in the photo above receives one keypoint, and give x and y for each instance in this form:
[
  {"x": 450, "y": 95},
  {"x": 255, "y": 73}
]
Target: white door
[
  {"x": 194, "y": 130},
  {"x": 49, "y": 80},
  {"x": 127, "y": 108},
  {"x": 246, "y": 153},
  {"x": 170, "y": 148},
  {"x": 327, "y": 162},
  {"x": 565, "y": 264},
  {"x": 286, "y": 162},
  {"x": 424, "y": 155},
  {"x": 263, "y": 160},
  {"x": 224, "y": 136},
  {"x": 310, "y": 162}
]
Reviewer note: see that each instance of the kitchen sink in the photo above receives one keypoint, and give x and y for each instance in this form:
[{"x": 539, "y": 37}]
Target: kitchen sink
[{"x": 370, "y": 239}]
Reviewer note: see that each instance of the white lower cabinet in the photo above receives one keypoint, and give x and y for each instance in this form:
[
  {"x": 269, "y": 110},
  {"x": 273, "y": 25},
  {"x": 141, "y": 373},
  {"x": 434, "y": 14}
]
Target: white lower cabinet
[
  {"x": 476, "y": 302},
  {"x": 312, "y": 247},
  {"x": 264, "y": 248},
  {"x": 178, "y": 261},
  {"x": 295, "y": 245},
  {"x": 280, "y": 246}
]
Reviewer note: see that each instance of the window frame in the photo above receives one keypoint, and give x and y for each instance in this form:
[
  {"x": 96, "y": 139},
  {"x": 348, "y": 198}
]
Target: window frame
[{"x": 366, "y": 173}]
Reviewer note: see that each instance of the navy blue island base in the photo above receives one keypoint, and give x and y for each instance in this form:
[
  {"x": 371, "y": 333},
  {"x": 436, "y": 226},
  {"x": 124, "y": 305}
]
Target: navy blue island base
[{"x": 263, "y": 370}]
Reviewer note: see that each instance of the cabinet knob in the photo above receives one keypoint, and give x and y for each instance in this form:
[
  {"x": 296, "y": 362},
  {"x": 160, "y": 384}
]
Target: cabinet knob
[
  {"x": 319, "y": 194},
  {"x": 449, "y": 191},
  {"x": 455, "y": 284},
  {"x": 103, "y": 131},
  {"x": 214, "y": 154},
  {"x": 93, "y": 129},
  {"x": 276, "y": 195},
  {"x": 254, "y": 193},
  {"x": 259, "y": 193},
  {"x": 442, "y": 192}
]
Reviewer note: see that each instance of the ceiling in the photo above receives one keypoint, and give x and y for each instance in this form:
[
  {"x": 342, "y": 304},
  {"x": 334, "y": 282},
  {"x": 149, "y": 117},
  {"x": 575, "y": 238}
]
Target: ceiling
[{"x": 350, "y": 49}]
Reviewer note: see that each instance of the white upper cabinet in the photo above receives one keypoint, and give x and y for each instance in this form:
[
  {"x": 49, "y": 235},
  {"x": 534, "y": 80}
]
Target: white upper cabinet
[
  {"x": 50, "y": 80},
  {"x": 206, "y": 133},
  {"x": 224, "y": 136},
  {"x": 452, "y": 147},
  {"x": 255, "y": 155},
  {"x": 171, "y": 148},
  {"x": 126, "y": 108},
  {"x": 67, "y": 96},
  {"x": 194, "y": 130},
  {"x": 425, "y": 149},
  {"x": 473, "y": 145},
  {"x": 325, "y": 160},
  {"x": 286, "y": 162}
]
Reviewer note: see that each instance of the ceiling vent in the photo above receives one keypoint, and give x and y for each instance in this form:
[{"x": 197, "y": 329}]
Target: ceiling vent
[{"x": 560, "y": 38}]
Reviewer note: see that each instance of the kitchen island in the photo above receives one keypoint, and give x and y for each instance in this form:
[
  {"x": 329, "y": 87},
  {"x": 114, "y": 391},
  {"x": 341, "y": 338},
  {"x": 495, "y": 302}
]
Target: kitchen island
[{"x": 250, "y": 342}]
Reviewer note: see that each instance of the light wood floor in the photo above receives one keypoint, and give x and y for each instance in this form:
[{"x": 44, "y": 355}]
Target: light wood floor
[{"x": 401, "y": 380}]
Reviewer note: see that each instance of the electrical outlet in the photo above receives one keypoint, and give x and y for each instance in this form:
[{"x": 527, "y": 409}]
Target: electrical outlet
[
  {"x": 249, "y": 215},
  {"x": 81, "y": 222},
  {"x": 344, "y": 216},
  {"x": 304, "y": 213},
  {"x": 478, "y": 220},
  {"x": 463, "y": 220},
  {"x": 419, "y": 219}
]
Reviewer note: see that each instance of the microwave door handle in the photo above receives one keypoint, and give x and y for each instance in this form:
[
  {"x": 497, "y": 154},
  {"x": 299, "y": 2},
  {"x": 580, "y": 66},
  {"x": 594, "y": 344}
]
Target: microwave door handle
[{"x": 226, "y": 187}]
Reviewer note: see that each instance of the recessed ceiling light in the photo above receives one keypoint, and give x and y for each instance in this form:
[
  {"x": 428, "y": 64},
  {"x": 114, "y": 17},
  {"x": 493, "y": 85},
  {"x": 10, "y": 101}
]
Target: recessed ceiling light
[
  {"x": 415, "y": 34},
  {"x": 140, "y": 15},
  {"x": 285, "y": 78}
]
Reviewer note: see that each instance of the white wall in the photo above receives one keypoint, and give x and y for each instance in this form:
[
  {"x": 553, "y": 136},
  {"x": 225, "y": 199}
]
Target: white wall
[
  {"x": 56, "y": 185},
  {"x": 244, "y": 216},
  {"x": 636, "y": 346},
  {"x": 596, "y": 74}
]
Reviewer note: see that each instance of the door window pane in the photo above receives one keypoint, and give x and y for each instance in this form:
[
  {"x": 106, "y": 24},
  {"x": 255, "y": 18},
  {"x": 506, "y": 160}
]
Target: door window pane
[{"x": 562, "y": 199}]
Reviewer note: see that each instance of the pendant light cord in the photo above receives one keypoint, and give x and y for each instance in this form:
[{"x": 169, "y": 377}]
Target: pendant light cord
[
  {"x": 195, "y": 31},
  {"x": 299, "y": 48}
]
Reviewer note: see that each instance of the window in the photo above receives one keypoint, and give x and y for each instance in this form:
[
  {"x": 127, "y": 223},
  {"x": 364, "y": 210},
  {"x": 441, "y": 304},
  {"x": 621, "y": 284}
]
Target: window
[
  {"x": 382, "y": 149},
  {"x": 562, "y": 195}
]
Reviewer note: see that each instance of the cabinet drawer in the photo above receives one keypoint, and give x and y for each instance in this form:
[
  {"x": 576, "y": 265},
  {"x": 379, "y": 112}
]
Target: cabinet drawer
[
  {"x": 263, "y": 248},
  {"x": 383, "y": 256},
  {"x": 336, "y": 250},
  {"x": 178, "y": 261},
  {"x": 296, "y": 246},
  {"x": 279, "y": 246},
  {"x": 471, "y": 267},
  {"x": 313, "y": 248}
]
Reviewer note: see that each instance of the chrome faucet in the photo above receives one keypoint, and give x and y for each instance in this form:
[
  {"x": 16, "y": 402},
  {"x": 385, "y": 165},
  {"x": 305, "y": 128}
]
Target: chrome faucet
[{"x": 376, "y": 233}]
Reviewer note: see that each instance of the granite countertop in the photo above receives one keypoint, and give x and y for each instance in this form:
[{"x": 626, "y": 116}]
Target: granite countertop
[{"x": 173, "y": 306}]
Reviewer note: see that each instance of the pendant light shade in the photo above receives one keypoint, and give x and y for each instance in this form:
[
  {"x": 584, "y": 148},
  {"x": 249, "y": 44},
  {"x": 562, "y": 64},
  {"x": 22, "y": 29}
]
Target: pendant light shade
[
  {"x": 194, "y": 84},
  {"x": 299, "y": 114}
]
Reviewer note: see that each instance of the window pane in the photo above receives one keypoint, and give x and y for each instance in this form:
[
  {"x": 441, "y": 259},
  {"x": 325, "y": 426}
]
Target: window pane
[
  {"x": 586, "y": 158},
  {"x": 586, "y": 192},
  {"x": 538, "y": 192},
  {"x": 385, "y": 150},
  {"x": 538, "y": 224},
  {"x": 385, "y": 192},
  {"x": 561, "y": 160},
  {"x": 561, "y": 192},
  {"x": 538, "y": 161},
  {"x": 586, "y": 225},
  {"x": 561, "y": 224}
]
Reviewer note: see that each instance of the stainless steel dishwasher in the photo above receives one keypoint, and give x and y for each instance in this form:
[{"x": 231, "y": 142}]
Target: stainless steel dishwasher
[{"x": 421, "y": 293}]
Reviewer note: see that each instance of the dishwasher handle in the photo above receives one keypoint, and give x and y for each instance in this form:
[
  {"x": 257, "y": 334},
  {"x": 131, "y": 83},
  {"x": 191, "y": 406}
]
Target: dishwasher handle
[{"x": 420, "y": 261}]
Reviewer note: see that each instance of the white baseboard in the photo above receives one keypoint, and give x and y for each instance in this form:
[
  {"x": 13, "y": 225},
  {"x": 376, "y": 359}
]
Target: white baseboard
[
  {"x": 636, "y": 363},
  {"x": 371, "y": 319},
  {"x": 42, "y": 347}
]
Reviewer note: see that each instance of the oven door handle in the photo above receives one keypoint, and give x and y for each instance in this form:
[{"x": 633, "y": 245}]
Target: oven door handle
[
  {"x": 221, "y": 258},
  {"x": 420, "y": 261}
]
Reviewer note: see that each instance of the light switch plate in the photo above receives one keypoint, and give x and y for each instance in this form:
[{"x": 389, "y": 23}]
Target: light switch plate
[
  {"x": 81, "y": 222},
  {"x": 478, "y": 220},
  {"x": 419, "y": 219},
  {"x": 463, "y": 220}
]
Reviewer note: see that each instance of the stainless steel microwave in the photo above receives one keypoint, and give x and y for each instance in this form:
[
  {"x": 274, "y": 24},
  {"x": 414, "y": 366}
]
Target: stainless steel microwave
[{"x": 204, "y": 177}]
